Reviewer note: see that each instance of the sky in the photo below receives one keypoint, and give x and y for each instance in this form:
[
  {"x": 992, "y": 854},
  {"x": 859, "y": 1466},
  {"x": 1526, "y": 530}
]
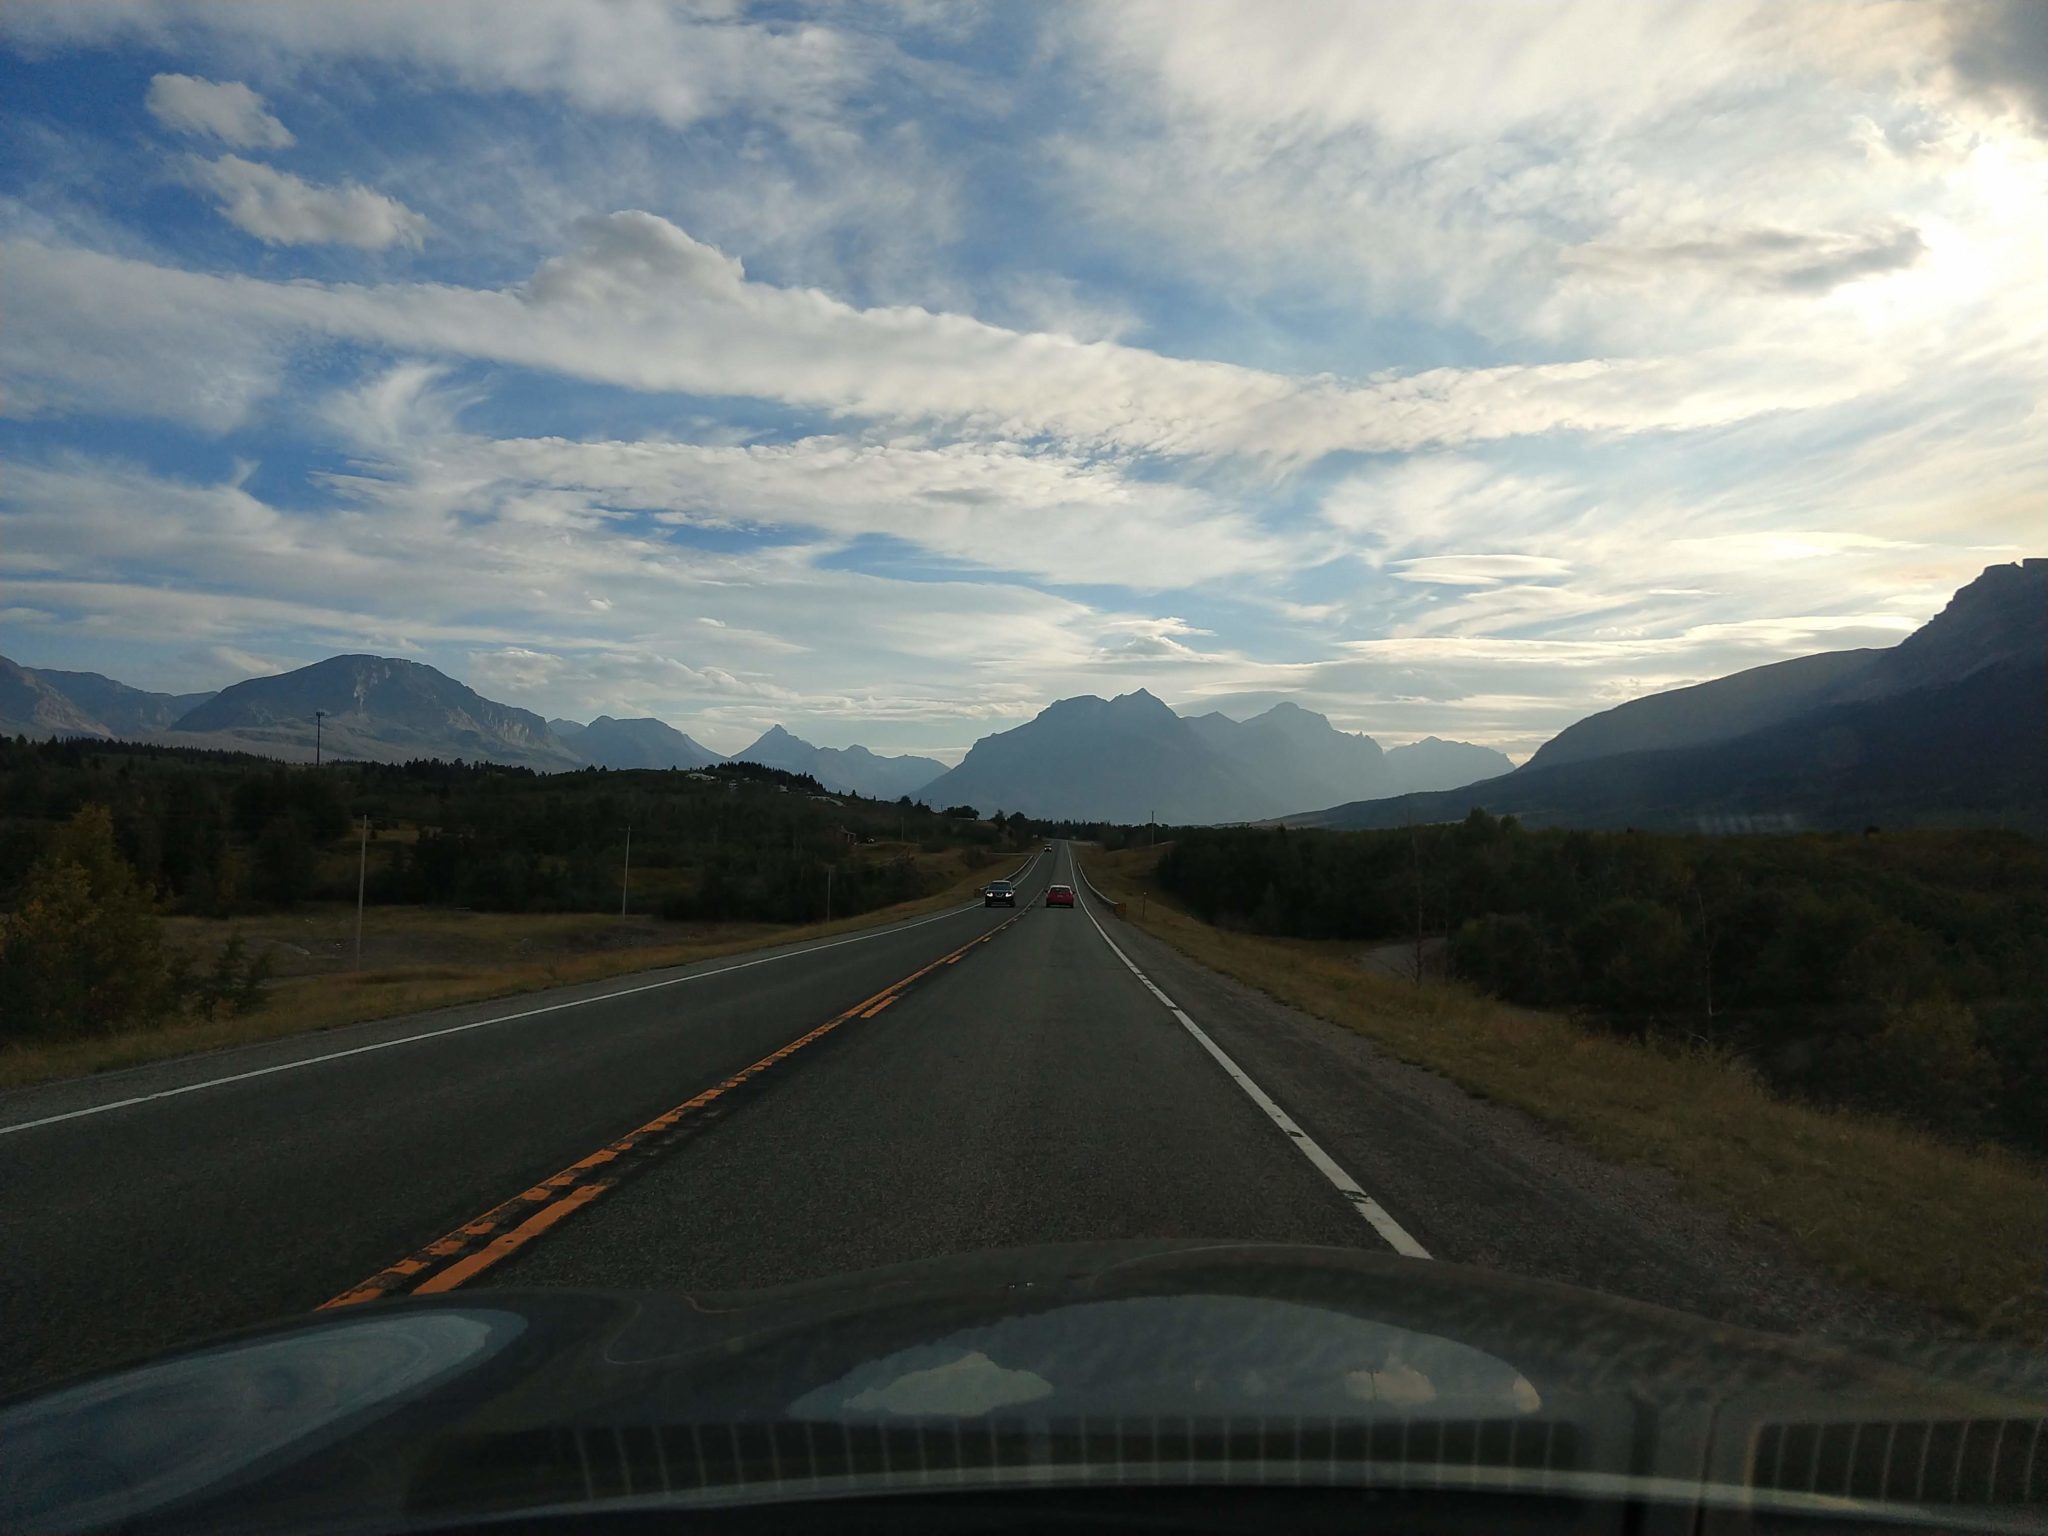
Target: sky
[{"x": 890, "y": 370}]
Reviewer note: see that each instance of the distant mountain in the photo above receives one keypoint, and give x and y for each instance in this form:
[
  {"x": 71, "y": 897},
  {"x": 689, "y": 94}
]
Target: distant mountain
[
  {"x": 48, "y": 702},
  {"x": 31, "y": 705},
  {"x": 1292, "y": 757},
  {"x": 1433, "y": 763},
  {"x": 1706, "y": 712},
  {"x": 613, "y": 743},
  {"x": 377, "y": 708},
  {"x": 1948, "y": 727},
  {"x": 846, "y": 770},
  {"x": 124, "y": 711},
  {"x": 1123, "y": 759},
  {"x": 1130, "y": 758}
]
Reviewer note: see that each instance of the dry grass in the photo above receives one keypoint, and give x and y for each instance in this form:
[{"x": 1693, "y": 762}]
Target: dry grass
[
  {"x": 445, "y": 958},
  {"x": 1956, "y": 1229}
]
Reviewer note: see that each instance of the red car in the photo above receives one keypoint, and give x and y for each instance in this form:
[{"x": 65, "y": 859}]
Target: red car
[{"x": 1059, "y": 896}]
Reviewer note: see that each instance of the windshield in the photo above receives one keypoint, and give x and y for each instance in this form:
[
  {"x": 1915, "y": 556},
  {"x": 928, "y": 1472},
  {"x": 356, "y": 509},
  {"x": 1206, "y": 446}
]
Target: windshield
[{"x": 681, "y": 650}]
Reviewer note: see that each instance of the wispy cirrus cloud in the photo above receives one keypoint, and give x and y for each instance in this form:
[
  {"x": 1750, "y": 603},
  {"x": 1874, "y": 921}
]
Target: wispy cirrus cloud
[{"x": 640, "y": 304}]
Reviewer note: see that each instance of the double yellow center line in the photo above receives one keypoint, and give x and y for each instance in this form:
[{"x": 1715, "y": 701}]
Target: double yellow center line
[{"x": 502, "y": 1231}]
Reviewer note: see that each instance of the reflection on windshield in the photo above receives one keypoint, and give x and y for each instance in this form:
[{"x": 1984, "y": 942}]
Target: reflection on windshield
[{"x": 1181, "y": 1354}]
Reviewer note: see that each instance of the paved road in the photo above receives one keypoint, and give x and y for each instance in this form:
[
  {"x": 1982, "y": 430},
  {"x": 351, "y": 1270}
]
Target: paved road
[
  {"x": 980, "y": 1078},
  {"x": 126, "y": 1229}
]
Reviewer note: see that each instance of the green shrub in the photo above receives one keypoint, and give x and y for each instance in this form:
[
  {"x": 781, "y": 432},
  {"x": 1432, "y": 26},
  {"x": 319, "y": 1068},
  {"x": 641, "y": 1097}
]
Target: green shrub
[{"x": 83, "y": 952}]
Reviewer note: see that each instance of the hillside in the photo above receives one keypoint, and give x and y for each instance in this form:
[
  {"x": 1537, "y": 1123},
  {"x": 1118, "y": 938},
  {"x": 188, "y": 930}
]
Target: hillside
[
  {"x": 30, "y": 705},
  {"x": 1132, "y": 759},
  {"x": 1433, "y": 763},
  {"x": 1294, "y": 757},
  {"x": 644, "y": 743},
  {"x": 1127, "y": 759},
  {"x": 845, "y": 770},
  {"x": 1948, "y": 728},
  {"x": 377, "y": 709},
  {"x": 43, "y": 701}
]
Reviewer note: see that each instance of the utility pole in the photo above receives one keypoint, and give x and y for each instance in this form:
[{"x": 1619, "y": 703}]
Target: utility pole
[
  {"x": 1415, "y": 856},
  {"x": 1706, "y": 943},
  {"x": 626, "y": 874},
  {"x": 828, "y": 893},
  {"x": 362, "y": 878},
  {"x": 1153, "y": 827},
  {"x": 318, "y": 716}
]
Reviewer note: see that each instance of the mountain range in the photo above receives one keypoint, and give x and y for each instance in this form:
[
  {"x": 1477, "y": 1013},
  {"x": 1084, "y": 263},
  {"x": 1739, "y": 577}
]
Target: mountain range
[
  {"x": 849, "y": 770},
  {"x": 51, "y": 703},
  {"x": 1949, "y": 725},
  {"x": 1127, "y": 758},
  {"x": 1132, "y": 759}
]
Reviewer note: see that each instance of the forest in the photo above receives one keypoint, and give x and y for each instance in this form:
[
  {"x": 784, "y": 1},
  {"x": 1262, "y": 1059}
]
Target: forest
[
  {"x": 98, "y": 839},
  {"x": 1906, "y": 972}
]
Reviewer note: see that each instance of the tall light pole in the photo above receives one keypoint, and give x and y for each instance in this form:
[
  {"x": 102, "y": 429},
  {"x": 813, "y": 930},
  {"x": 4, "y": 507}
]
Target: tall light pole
[
  {"x": 318, "y": 716},
  {"x": 626, "y": 875}
]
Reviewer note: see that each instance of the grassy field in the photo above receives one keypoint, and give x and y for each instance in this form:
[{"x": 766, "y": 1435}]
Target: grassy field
[
  {"x": 417, "y": 958},
  {"x": 1958, "y": 1230}
]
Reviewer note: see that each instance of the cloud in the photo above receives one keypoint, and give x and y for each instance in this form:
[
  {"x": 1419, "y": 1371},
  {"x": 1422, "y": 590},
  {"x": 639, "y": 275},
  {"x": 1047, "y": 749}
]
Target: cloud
[
  {"x": 225, "y": 110},
  {"x": 1786, "y": 261},
  {"x": 228, "y": 663},
  {"x": 678, "y": 64},
  {"x": 1478, "y": 570},
  {"x": 145, "y": 556},
  {"x": 280, "y": 209},
  {"x": 1451, "y": 163},
  {"x": 1999, "y": 48},
  {"x": 640, "y": 304}
]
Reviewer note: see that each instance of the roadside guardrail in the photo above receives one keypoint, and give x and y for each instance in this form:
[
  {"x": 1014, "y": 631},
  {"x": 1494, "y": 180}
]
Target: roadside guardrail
[{"x": 1115, "y": 906}]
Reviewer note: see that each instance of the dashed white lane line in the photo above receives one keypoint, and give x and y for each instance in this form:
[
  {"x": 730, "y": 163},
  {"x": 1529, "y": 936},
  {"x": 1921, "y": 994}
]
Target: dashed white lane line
[
  {"x": 502, "y": 1018},
  {"x": 1375, "y": 1214}
]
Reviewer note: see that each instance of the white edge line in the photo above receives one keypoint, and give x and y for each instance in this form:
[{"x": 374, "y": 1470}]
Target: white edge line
[
  {"x": 1375, "y": 1214},
  {"x": 502, "y": 1018}
]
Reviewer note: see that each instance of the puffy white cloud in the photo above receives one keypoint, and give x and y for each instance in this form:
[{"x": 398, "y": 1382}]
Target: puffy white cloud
[
  {"x": 279, "y": 208},
  {"x": 225, "y": 109}
]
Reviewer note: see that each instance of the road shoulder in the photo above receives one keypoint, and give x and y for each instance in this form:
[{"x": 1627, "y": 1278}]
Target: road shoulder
[{"x": 1481, "y": 1181}]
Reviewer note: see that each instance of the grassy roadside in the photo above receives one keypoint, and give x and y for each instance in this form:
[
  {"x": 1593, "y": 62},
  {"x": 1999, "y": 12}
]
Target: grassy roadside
[
  {"x": 466, "y": 957},
  {"x": 1956, "y": 1229}
]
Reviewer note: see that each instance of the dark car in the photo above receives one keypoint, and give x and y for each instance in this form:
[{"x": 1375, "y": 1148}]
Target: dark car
[
  {"x": 1059, "y": 896},
  {"x": 1000, "y": 893}
]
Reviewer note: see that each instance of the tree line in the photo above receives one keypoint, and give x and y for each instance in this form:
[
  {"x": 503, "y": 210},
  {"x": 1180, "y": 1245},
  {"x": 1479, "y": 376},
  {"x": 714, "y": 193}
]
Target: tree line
[
  {"x": 1902, "y": 971},
  {"x": 98, "y": 840}
]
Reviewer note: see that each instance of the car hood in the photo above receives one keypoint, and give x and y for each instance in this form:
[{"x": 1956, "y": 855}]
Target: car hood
[{"x": 1163, "y": 1360}]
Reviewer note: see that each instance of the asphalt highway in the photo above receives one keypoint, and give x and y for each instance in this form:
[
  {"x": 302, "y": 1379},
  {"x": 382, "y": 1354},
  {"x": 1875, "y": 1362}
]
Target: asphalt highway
[{"x": 981, "y": 1078}]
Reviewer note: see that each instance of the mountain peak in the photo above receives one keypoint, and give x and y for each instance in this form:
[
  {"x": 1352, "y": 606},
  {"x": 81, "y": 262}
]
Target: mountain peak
[
  {"x": 1140, "y": 701},
  {"x": 1295, "y": 720}
]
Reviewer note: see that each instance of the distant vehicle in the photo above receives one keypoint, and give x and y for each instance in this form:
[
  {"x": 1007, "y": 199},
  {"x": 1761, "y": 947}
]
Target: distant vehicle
[
  {"x": 1048, "y": 847},
  {"x": 1059, "y": 896},
  {"x": 1000, "y": 893}
]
